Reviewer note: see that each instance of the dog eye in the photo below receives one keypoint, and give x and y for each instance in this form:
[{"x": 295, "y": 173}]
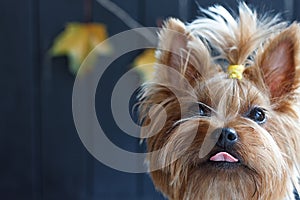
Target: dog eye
[
  {"x": 258, "y": 115},
  {"x": 204, "y": 110}
]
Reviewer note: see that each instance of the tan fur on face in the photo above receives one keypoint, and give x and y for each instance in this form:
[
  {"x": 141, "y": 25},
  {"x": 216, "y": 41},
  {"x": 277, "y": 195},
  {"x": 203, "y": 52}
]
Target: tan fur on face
[{"x": 188, "y": 75}]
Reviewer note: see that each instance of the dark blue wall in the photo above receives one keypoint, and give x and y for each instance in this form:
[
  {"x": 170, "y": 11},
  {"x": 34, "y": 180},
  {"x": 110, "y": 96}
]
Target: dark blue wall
[{"x": 41, "y": 155}]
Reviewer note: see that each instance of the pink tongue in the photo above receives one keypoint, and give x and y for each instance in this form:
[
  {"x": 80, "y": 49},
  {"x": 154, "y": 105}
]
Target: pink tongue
[{"x": 223, "y": 156}]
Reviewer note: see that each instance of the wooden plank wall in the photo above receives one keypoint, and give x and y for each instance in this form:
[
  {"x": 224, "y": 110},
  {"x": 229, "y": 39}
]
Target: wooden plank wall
[{"x": 41, "y": 155}]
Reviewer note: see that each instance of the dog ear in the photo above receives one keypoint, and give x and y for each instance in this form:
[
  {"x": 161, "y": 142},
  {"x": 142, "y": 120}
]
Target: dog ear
[
  {"x": 180, "y": 50},
  {"x": 279, "y": 62}
]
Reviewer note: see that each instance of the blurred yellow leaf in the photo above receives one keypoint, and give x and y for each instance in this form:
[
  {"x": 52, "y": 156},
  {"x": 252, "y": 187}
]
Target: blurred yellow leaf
[
  {"x": 78, "y": 40},
  {"x": 144, "y": 64}
]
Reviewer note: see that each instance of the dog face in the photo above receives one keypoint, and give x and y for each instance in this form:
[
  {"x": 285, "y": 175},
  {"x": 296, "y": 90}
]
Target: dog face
[{"x": 214, "y": 135}]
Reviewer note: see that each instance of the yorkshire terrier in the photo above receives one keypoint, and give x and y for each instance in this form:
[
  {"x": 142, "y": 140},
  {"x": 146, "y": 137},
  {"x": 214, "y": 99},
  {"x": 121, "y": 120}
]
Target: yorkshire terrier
[{"x": 221, "y": 115}]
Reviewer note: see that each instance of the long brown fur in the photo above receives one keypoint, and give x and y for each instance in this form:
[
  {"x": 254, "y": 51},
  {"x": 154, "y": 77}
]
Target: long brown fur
[{"x": 191, "y": 69}]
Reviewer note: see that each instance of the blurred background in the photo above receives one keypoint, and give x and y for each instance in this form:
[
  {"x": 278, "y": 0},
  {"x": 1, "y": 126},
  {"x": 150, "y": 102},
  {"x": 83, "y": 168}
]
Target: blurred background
[{"x": 41, "y": 155}]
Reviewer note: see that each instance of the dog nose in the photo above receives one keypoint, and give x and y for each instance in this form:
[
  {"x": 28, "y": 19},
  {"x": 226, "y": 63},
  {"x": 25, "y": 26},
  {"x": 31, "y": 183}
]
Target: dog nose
[{"x": 227, "y": 138}]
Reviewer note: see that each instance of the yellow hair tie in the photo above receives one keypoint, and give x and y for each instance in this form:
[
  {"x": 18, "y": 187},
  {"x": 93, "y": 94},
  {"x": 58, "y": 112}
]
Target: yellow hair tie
[{"x": 236, "y": 71}]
